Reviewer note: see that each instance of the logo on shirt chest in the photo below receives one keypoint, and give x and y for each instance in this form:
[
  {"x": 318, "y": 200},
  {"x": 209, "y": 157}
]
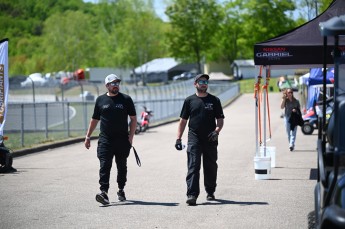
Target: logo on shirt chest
[
  {"x": 106, "y": 106},
  {"x": 209, "y": 106},
  {"x": 116, "y": 106},
  {"x": 119, "y": 106}
]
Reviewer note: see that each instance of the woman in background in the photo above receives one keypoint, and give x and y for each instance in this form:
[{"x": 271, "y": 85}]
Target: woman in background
[{"x": 290, "y": 104}]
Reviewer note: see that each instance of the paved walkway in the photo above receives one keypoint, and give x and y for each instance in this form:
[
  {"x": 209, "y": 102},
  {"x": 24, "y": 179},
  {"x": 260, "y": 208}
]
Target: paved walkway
[{"x": 56, "y": 188}]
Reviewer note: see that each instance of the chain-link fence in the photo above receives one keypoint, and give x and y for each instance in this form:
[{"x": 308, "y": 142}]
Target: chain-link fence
[{"x": 43, "y": 114}]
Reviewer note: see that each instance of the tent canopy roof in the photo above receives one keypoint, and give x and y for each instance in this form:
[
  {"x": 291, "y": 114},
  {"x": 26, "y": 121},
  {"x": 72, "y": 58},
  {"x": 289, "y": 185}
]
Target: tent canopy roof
[
  {"x": 316, "y": 76},
  {"x": 157, "y": 66},
  {"x": 301, "y": 47}
]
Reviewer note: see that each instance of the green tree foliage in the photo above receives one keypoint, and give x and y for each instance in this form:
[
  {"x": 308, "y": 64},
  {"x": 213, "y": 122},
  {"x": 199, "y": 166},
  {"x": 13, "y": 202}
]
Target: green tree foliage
[
  {"x": 139, "y": 35},
  {"x": 227, "y": 38},
  {"x": 67, "y": 41},
  {"x": 137, "y": 45},
  {"x": 203, "y": 28},
  {"x": 194, "y": 23},
  {"x": 23, "y": 23},
  {"x": 264, "y": 19},
  {"x": 309, "y": 9},
  {"x": 54, "y": 35},
  {"x": 324, "y": 4}
]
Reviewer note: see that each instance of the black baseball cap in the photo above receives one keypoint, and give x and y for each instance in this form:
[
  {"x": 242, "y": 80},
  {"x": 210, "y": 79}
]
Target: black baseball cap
[{"x": 201, "y": 75}]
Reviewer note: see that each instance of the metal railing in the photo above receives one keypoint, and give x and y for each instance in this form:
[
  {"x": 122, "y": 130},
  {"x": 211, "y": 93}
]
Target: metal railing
[{"x": 59, "y": 113}]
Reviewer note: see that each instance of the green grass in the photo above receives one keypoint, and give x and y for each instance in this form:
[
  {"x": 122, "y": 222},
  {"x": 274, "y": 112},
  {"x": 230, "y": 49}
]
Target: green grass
[
  {"x": 35, "y": 139},
  {"x": 247, "y": 85},
  {"x": 14, "y": 140},
  {"x": 55, "y": 133}
]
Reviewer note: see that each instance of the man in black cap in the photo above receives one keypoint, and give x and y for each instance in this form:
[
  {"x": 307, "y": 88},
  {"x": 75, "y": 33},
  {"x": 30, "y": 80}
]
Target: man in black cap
[
  {"x": 112, "y": 109},
  {"x": 206, "y": 120}
]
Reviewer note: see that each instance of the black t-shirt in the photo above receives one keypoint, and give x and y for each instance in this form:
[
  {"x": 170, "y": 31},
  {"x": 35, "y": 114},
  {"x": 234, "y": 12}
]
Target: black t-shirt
[
  {"x": 113, "y": 112},
  {"x": 202, "y": 113}
]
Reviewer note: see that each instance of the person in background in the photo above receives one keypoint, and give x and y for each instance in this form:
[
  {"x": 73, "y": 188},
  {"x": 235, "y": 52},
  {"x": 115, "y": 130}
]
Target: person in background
[
  {"x": 206, "y": 120},
  {"x": 112, "y": 109},
  {"x": 291, "y": 105}
]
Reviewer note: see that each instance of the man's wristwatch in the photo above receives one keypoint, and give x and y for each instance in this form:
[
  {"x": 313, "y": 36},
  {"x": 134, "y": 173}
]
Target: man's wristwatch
[{"x": 88, "y": 138}]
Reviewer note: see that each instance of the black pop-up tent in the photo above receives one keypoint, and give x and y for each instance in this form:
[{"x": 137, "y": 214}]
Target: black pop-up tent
[{"x": 302, "y": 46}]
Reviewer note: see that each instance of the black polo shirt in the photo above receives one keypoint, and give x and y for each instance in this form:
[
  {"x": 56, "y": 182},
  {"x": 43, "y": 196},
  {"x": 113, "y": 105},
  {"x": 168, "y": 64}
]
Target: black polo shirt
[
  {"x": 202, "y": 113},
  {"x": 113, "y": 112}
]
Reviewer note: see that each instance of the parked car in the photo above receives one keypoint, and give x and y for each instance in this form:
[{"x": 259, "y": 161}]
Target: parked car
[
  {"x": 15, "y": 81},
  {"x": 87, "y": 96},
  {"x": 35, "y": 78},
  {"x": 184, "y": 76}
]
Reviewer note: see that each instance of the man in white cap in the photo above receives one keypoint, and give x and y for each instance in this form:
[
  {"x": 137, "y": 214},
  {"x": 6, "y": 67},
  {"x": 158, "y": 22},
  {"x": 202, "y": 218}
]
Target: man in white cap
[
  {"x": 112, "y": 109},
  {"x": 205, "y": 114}
]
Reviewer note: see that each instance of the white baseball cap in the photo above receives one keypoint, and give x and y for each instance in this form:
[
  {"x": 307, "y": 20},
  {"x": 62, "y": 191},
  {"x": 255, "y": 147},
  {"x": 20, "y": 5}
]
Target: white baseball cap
[{"x": 110, "y": 78}]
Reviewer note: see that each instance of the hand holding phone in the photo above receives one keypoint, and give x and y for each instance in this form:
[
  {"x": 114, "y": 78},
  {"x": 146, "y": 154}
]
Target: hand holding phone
[{"x": 284, "y": 95}]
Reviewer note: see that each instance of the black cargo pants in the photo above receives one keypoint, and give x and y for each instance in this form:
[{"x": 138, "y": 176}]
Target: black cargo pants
[
  {"x": 209, "y": 154},
  {"x": 106, "y": 151}
]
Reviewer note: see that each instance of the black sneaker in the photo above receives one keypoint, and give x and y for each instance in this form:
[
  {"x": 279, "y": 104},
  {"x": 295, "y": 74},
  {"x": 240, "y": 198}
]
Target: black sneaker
[
  {"x": 121, "y": 195},
  {"x": 291, "y": 148},
  {"x": 210, "y": 197},
  {"x": 191, "y": 200},
  {"x": 102, "y": 198}
]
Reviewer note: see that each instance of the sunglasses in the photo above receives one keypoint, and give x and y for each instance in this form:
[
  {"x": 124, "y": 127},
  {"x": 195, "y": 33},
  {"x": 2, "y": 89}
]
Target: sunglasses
[
  {"x": 117, "y": 83},
  {"x": 290, "y": 92},
  {"x": 202, "y": 82}
]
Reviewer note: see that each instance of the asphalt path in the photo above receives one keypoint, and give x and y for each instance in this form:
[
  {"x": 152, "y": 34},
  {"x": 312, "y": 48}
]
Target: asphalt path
[{"x": 56, "y": 188}]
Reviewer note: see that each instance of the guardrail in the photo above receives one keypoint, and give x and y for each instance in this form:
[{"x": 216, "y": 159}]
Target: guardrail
[{"x": 29, "y": 123}]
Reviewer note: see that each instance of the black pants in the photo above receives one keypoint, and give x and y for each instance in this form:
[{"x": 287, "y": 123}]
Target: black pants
[
  {"x": 105, "y": 153},
  {"x": 209, "y": 154}
]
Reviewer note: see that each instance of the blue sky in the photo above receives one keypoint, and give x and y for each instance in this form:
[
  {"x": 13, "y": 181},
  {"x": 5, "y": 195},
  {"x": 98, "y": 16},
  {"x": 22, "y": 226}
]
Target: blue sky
[{"x": 159, "y": 6}]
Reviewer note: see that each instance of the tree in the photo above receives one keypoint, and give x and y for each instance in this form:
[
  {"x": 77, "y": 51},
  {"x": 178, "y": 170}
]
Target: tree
[
  {"x": 264, "y": 19},
  {"x": 132, "y": 32},
  {"x": 247, "y": 22},
  {"x": 23, "y": 23},
  {"x": 323, "y": 5},
  {"x": 140, "y": 35},
  {"x": 193, "y": 25},
  {"x": 68, "y": 43},
  {"x": 54, "y": 35},
  {"x": 227, "y": 38},
  {"x": 309, "y": 9},
  {"x": 138, "y": 45}
]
